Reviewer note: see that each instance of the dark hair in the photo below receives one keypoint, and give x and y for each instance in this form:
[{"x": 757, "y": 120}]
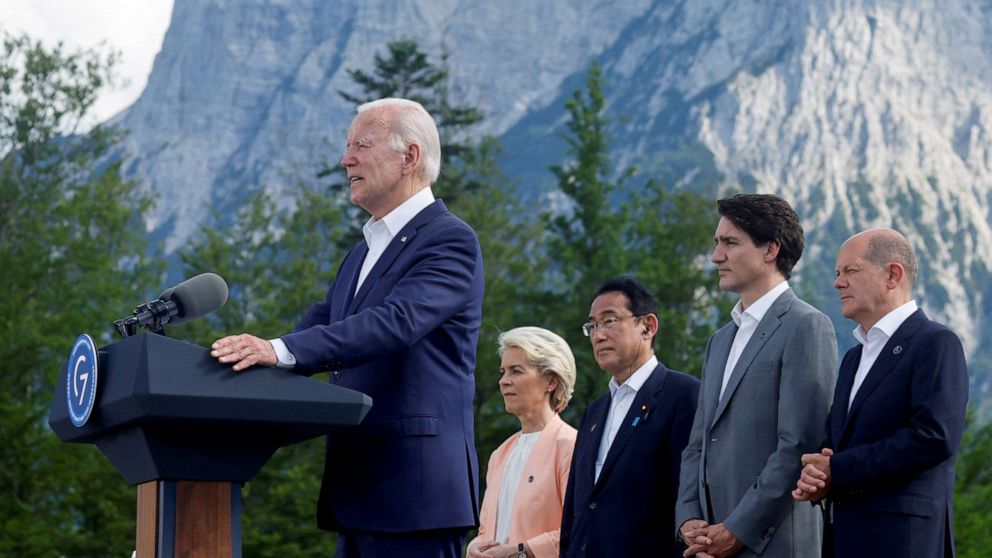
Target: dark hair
[
  {"x": 766, "y": 218},
  {"x": 640, "y": 301}
]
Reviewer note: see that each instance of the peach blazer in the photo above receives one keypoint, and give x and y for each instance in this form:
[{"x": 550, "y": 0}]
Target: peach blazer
[{"x": 536, "y": 517}]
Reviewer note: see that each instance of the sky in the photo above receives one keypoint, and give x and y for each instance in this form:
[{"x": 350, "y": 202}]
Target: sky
[{"x": 135, "y": 28}]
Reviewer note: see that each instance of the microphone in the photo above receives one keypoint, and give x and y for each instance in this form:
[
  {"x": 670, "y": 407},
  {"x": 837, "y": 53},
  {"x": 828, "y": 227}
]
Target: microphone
[{"x": 194, "y": 297}]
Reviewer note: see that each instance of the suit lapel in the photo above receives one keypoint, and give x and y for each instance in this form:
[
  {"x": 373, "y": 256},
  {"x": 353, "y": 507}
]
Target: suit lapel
[
  {"x": 350, "y": 273},
  {"x": 395, "y": 247},
  {"x": 715, "y": 363},
  {"x": 596, "y": 419},
  {"x": 766, "y": 327},
  {"x": 845, "y": 381},
  {"x": 639, "y": 411},
  {"x": 890, "y": 356}
]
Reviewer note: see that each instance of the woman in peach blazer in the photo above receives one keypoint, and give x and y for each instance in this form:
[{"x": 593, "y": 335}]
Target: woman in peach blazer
[{"x": 527, "y": 475}]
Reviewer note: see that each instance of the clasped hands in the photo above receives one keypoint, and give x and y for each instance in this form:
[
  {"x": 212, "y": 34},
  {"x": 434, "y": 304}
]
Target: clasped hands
[
  {"x": 814, "y": 480},
  {"x": 243, "y": 351},
  {"x": 709, "y": 541}
]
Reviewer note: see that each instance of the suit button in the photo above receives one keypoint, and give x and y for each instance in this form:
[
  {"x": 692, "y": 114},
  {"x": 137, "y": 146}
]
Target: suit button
[{"x": 592, "y": 505}]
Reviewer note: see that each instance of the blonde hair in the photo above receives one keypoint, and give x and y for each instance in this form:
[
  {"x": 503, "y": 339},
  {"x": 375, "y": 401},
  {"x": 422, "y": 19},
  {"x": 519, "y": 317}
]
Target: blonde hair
[{"x": 549, "y": 353}]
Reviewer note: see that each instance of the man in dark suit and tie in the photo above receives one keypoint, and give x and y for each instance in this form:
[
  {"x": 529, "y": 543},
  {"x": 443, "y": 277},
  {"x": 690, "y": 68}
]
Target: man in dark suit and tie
[
  {"x": 767, "y": 380},
  {"x": 625, "y": 466},
  {"x": 887, "y": 467},
  {"x": 400, "y": 323}
]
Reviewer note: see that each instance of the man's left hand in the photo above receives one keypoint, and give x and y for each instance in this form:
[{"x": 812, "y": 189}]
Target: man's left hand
[
  {"x": 243, "y": 351},
  {"x": 723, "y": 543},
  {"x": 814, "y": 480}
]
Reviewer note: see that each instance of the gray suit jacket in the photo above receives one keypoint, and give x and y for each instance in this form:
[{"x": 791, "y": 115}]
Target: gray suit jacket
[{"x": 743, "y": 457}]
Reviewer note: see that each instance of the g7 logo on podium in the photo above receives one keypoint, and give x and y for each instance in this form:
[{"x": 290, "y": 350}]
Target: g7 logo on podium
[{"x": 81, "y": 380}]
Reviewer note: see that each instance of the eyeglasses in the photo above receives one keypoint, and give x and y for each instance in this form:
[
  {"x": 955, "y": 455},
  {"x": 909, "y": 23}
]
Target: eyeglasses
[{"x": 608, "y": 323}]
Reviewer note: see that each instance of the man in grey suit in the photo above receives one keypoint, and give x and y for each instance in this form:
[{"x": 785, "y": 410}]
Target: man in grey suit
[{"x": 768, "y": 378}]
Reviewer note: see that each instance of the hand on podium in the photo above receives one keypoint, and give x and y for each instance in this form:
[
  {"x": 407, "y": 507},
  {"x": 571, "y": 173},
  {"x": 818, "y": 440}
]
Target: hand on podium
[{"x": 243, "y": 351}]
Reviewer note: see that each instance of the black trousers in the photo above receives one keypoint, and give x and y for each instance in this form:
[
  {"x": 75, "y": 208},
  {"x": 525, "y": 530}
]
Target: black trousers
[{"x": 436, "y": 543}]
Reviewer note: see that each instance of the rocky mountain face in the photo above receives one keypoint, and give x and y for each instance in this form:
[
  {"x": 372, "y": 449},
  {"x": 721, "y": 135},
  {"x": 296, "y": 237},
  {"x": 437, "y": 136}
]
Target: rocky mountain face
[{"x": 861, "y": 113}]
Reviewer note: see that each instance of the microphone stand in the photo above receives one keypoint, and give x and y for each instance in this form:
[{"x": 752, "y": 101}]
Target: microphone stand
[{"x": 149, "y": 315}]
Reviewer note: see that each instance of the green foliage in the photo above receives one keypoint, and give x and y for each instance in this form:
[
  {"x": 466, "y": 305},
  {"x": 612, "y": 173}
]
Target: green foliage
[
  {"x": 70, "y": 237},
  {"x": 73, "y": 247},
  {"x": 609, "y": 228},
  {"x": 973, "y": 493}
]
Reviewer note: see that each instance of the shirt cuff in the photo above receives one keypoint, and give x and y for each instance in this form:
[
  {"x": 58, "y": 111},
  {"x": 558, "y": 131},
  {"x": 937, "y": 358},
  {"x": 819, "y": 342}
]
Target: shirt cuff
[{"x": 283, "y": 356}]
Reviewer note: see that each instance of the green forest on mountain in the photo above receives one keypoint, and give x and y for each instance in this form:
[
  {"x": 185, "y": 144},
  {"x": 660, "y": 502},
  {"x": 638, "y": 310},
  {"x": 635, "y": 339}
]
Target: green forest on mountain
[{"x": 75, "y": 255}]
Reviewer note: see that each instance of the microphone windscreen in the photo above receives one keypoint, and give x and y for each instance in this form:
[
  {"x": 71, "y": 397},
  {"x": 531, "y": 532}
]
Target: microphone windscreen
[{"x": 196, "y": 296}]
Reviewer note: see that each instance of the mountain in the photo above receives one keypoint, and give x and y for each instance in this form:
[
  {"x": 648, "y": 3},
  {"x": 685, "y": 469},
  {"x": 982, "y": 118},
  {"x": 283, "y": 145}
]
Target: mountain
[{"x": 861, "y": 113}]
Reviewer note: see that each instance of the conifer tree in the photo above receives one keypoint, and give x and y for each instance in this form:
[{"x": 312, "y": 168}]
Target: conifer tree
[
  {"x": 73, "y": 248},
  {"x": 610, "y": 227}
]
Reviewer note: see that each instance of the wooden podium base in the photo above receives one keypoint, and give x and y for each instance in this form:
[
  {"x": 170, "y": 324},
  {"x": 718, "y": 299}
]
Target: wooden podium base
[{"x": 189, "y": 519}]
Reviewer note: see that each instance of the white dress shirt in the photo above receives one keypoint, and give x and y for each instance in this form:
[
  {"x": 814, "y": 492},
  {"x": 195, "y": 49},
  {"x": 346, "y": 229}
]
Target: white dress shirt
[
  {"x": 378, "y": 234},
  {"x": 747, "y": 322},
  {"x": 874, "y": 340},
  {"x": 621, "y": 398}
]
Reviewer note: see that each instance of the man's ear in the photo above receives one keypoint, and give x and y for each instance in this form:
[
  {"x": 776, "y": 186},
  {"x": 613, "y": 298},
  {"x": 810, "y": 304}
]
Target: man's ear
[
  {"x": 651, "y": 325},
  {"x": 772, "y": 248},
  {"x": 411, "y": 159},
  {"x": 896, "y": 275}
]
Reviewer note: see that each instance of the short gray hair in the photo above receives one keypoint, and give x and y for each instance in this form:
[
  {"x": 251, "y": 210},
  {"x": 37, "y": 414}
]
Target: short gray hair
[
  {"x": 890, "y": 246},
  {"x": 412, "y": 124},
  {"x": 549, "y": 353}
]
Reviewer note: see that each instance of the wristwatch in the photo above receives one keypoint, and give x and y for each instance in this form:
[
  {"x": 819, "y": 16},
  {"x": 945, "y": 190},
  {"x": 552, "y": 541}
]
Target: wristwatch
[{"x": 521, "y": 553}]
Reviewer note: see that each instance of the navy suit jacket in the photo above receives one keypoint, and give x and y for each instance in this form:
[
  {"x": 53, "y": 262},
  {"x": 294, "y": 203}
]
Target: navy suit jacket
[
  {"x": 892, "y": 474},
  {"x": 407, "y": 339},
  {"x": 628, "y": 511}
]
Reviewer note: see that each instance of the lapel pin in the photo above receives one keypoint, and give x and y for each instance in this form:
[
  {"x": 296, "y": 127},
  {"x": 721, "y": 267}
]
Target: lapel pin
[
  {"x": 897, "y": 349},
  {"x": 402, "y": 239},
  {"x": 593, "y": 429}
]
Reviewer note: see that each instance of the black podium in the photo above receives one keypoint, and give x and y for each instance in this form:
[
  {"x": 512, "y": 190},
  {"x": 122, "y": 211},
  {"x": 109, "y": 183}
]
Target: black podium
[{"x": 189, "y": 432}]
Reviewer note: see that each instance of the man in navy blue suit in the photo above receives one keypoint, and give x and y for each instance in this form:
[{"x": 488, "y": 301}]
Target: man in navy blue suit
[
  {"x": 887, "y": 467},
  {"x": 400, "y": 323},
  {"x": 625, "y": 467}
]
